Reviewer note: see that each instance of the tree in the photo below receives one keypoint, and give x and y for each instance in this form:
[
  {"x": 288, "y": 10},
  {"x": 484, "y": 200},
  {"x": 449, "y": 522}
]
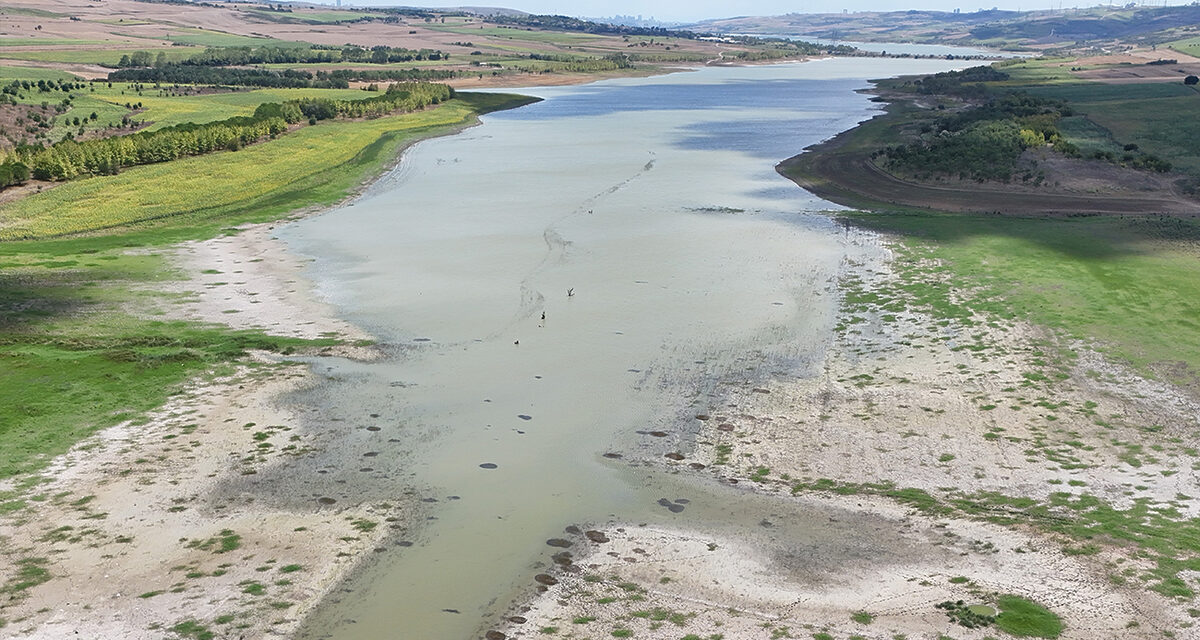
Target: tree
[
  {"x": 140, "y": 59},
  {"x": 1191, "y": 80}
]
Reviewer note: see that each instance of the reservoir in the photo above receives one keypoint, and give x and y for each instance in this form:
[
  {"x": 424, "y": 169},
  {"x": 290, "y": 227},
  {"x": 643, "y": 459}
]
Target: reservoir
[{"x": 554, "y": 285}]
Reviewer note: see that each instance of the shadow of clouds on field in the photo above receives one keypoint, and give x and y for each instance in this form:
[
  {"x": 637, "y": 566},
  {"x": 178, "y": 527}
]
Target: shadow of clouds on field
[
  {"x": 1084, "y": 237},
  {"x": 27, "y": 299}
]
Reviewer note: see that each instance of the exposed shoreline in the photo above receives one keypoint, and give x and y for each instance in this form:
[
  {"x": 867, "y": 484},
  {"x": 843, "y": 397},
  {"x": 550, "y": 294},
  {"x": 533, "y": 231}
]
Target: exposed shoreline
[
  {"x": 906, "y": 412},
  {"x": 125, "y": 485}
]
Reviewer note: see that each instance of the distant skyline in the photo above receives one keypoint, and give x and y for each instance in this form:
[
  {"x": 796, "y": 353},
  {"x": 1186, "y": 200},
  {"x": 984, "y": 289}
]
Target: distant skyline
[{"x": 695, "y": 10}]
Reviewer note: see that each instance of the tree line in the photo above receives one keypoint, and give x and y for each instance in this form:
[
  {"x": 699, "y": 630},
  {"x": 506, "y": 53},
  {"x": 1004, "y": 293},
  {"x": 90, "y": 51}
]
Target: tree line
[
  {"x": 961, "y": 83},
  {"x": 181, "y": 74},
  {"x": 233, "y": 56},
  {"x": 15, "y": 87},
  {"x": 70, "y": 159},
  {"x": 564, "y": 23},
  {"x": 285, "y": 78},
  {"x": 338, "y": 76}
]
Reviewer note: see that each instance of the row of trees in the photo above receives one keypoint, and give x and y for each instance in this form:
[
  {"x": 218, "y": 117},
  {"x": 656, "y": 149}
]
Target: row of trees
[
  {"x": 962, "y": 82},
  {"x": 16, "y": 87},
  {"x": 339, "y": 76},
  {"x": 69, "y": 159},
  {"x": 290, "y": 78},
  {"x": 401, "y": 97},
  {"x": 229, "y": 56},
  {"x": 564, "y": 23},
  {"x": 584, "y": 64},
  {"x": 183, "y": 74}
]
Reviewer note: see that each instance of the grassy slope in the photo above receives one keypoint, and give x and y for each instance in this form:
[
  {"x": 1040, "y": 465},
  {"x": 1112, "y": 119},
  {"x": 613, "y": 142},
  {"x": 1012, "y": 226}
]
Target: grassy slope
[
  {"x": 1133, "y": 284},
  {"x": 1189, "y": 46},
  {"x": 315, "y": 165},
  {"x": 72, "y": 359},
  {"x": 165, "y": 111},
  {"x": 8, "y": 74},
  {"x": 1165, "y": 126}
]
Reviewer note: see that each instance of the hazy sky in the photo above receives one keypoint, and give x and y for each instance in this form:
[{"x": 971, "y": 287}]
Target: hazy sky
[{"x": 689, "y": 10}]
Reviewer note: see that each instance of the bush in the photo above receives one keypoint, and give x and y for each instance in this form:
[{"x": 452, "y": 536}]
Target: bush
[{"x": 1026, "y": 619}]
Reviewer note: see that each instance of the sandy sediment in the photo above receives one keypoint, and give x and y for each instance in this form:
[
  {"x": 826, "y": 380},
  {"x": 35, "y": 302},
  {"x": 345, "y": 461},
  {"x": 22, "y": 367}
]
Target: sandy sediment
[
  {"x": 667, "y": 583},
  {"x": 137, "y": 537},
  {"x": 138, "y": 529},
  {"x": 950, "y": 408},
  {"x": 250, "y": 280}
]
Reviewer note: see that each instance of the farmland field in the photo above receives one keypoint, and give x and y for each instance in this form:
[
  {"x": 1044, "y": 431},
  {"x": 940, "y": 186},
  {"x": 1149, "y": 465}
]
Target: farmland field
[
  {"x": 1163, "y": 126},
  {"x": 207, "y": 38},
  {"x": 1190, "y": 46},
  {"x": 8, "y": 73},
  {"x": 165, "y": 111},
  {"x": 107, "y": 57}
]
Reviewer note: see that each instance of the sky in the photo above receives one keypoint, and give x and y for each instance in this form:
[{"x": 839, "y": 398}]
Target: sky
[{"x": 693, "y": 10}]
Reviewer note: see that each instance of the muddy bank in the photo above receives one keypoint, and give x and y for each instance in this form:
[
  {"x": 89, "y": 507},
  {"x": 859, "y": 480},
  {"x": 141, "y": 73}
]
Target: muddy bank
[{"x": 922, "y": 444}]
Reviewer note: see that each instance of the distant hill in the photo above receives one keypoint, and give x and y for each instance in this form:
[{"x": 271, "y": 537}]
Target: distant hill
[
  {"x": 994, "y": 27},
  {"x": 489, "y": 11}
]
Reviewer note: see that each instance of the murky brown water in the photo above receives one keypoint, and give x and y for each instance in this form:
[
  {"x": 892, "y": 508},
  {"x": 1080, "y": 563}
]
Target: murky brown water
[{"x": 644, "y": 219}]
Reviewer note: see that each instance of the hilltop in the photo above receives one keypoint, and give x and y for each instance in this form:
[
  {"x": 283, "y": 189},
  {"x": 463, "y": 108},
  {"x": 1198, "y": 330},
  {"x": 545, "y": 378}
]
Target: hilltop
[{"x": 1096, "y": 26}]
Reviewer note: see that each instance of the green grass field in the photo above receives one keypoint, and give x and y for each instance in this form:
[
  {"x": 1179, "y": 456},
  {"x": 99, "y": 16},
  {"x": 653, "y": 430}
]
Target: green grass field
[
  {"x": 1025, "y": 619},
  {"x": 107, "y": 57},
  {"x": 1093, "y": 92},
  {"x": 1165, "y": 127},
  {"x": 108, "y": 103},
  {"x": 8, "y": 74},
  {"x": 1132, "y": 285},
  {"x": 165, "y": 111},
  {"x": 1189, "y": 46},
  {"x": 1036, "y": 71},
  {"x": 24, "y": 11},
  {"x": 1088, "y": 135}
]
